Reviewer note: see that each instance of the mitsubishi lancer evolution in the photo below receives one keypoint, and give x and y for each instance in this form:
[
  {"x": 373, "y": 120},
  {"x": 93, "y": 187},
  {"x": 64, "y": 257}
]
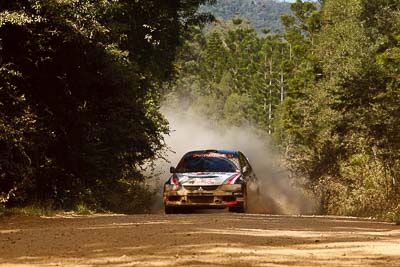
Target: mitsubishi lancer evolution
[{"x": 210, "y": 179}]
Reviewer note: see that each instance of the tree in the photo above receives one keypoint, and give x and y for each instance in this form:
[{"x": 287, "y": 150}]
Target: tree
[
  {"x": 79, "y": 96},
  {"x": 341, "y": 126},
  {"x": 301, "y": 69}
]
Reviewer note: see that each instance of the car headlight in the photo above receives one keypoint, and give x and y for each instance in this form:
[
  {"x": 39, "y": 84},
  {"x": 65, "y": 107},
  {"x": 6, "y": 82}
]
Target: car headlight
[
  {"x": 173, "y": 185},
  {"x": 167, "y": 188},
  {"x": 231, "y": 187}
]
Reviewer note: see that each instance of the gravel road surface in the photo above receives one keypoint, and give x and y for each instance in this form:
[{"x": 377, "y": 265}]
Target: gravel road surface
[{"x": 214, "y": 239}]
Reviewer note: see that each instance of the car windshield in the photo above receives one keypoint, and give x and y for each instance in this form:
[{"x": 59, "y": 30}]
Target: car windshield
[{"x": 205, "y": 164}]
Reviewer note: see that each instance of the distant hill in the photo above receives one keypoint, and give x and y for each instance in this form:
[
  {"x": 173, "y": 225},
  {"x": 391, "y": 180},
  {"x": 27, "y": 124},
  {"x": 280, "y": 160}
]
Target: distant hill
[{"x": 261, "y": 13}]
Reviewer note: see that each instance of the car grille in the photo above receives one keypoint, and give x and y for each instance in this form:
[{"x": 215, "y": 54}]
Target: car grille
[
  {"x": 204, "y": 187},
  {"x": 201, "y": 199}
]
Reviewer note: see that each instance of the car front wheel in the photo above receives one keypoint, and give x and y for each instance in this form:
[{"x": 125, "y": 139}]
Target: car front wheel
[
  {"x": 243, "y": 207},
  {"x": 170, "y": 210}
]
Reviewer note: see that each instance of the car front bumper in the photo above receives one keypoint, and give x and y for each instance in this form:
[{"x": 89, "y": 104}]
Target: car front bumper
[{"x": 206, "y": 199}]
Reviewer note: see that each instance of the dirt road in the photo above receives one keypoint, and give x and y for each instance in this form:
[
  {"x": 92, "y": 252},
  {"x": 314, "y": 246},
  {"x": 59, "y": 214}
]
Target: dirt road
[{"x": 218, "y": 239}]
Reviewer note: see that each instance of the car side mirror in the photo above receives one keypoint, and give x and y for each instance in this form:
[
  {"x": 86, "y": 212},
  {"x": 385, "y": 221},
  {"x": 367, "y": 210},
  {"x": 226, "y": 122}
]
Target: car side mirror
[{"x": 172, "y": 169}]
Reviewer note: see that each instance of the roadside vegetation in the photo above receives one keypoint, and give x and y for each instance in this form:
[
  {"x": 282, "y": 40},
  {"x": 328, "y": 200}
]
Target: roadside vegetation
[
  {"x": 81, "y": 84},
  {"x": 79, "y": 99}
]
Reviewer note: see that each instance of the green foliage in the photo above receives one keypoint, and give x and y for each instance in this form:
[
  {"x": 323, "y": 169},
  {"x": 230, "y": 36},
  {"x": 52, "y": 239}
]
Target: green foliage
[
  {"x": 235, "y": 109},
  {"x": 31, "y": 210},
  {"x": 79, "y": 87},
  {"x": 83, "y": 209},
  {"x": 326, "y": 91},
  {"x": 261, "y": 13},
  {"x": 394, "y": 215},
  {"x": 129, "y": 196},
  {"x": 347, "y": 144},
  {"x": 233, "y": 76}
]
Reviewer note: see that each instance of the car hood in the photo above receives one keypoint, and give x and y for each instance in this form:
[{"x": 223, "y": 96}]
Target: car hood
[{"x": 207, "y": 178}]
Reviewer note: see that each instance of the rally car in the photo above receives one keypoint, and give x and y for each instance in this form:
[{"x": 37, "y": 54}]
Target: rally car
[{"x": 210, "y": 179}]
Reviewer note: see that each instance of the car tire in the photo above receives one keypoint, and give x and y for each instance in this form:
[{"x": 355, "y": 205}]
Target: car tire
[
  {"x": 170, "y": 210},
  {"x": 232, "y": 209},
  {"x": 240, "y": 209},
  {"x": 243, "y": 207},
  {"x": 236, "y": 209}
]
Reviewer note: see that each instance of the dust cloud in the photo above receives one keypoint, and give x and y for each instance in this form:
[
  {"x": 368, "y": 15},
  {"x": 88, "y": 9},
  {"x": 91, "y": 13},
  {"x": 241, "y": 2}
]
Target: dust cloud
[{"x": 191, "y": 131}]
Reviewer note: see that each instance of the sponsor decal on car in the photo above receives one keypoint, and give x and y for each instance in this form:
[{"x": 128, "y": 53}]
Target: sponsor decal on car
[
  {"x": 233, "y": 178},
  {"x": 213, "y": 155}
]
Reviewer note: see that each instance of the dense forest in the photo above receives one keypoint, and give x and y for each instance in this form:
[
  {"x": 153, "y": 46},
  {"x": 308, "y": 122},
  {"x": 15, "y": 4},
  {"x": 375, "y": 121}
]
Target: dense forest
[
  {"x": 263, "y": 14},
  {"x": 325, "y": 92},
  {"x": 79, "y": 98},
  {"x": 81, "y": 84}
]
